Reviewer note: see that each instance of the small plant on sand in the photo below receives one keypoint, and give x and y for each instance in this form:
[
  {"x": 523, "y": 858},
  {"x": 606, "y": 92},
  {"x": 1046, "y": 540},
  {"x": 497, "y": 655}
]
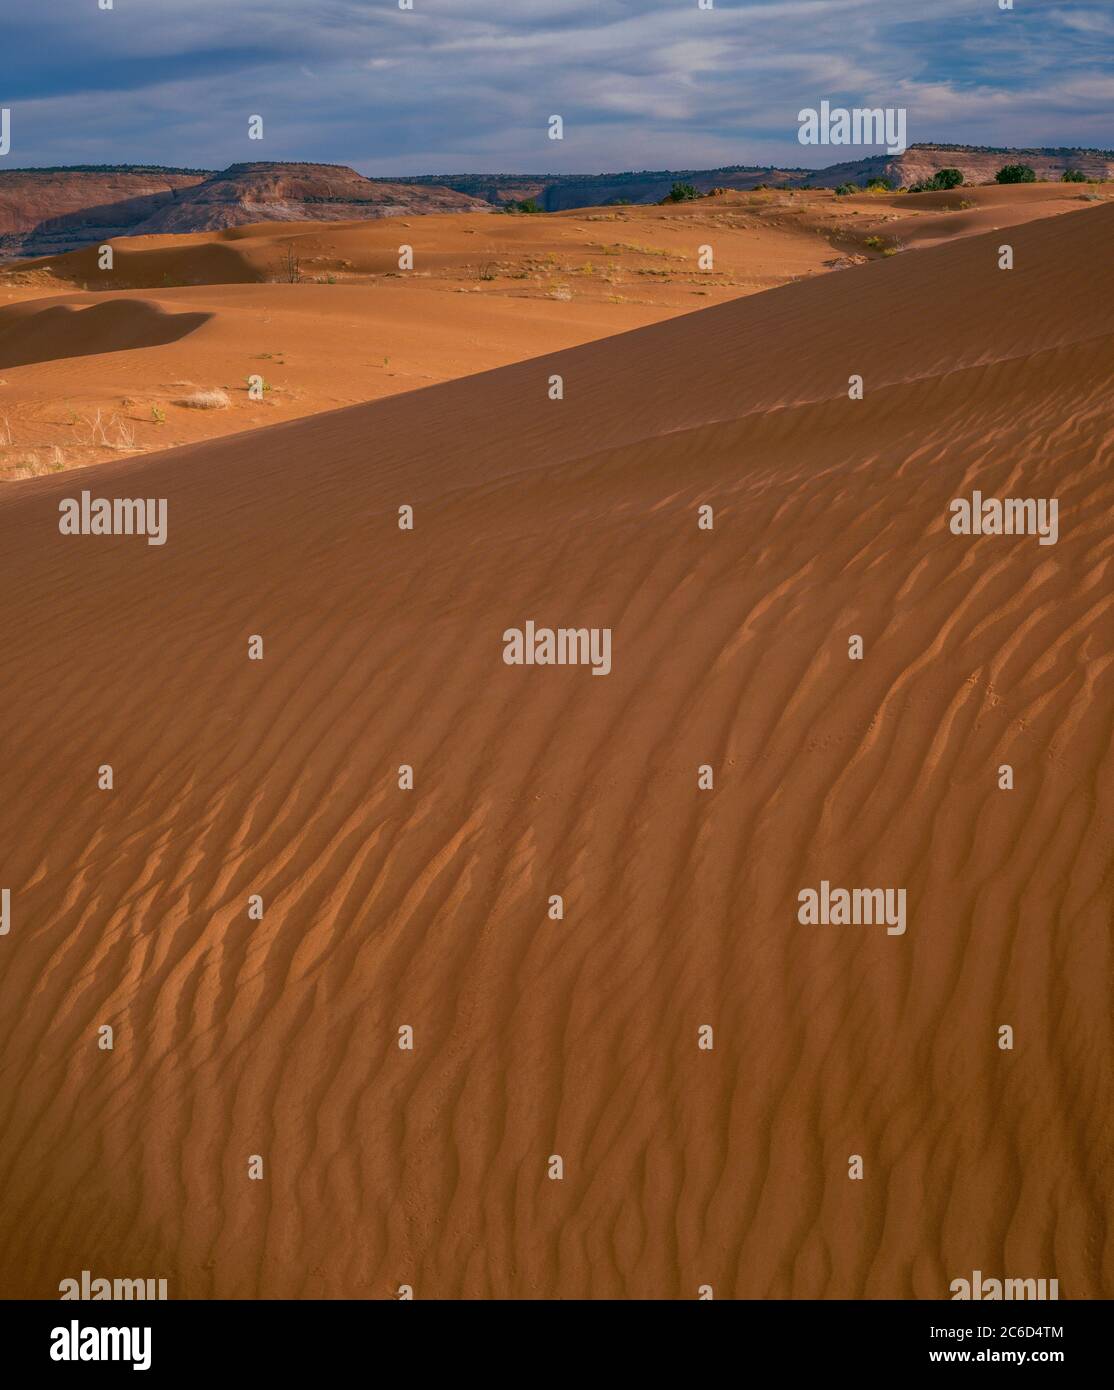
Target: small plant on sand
[
  {"x": 214, "y": 399},
  {"x": 32, "y": 463},
  {"x": 98, "y": 433},
  {"x": 1016, "y": 173},
  {"x": 682, "y": 193},
  {"x": 526, "y": 205},
  {"x": 158, "y": 415},
  {"x": 875, "y": 243},
  {"x": 844, "y": 190},
  {"x": 290, "y": 268}
]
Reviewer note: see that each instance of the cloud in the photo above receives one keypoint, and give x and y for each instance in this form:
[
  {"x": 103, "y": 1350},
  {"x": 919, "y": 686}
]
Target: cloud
[{"x": 458, "y": 85}]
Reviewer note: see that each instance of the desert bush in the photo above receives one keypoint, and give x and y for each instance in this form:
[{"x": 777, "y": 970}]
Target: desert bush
[
  {"x": 1016, "y": 173},
  {"x": 941, "y": 181},
  {"x": 94, "y": 431},
  {"x": 682, "y": 193},
  {"x": 289, "y": 270},
  {"x": 1073, "y": 176},
  {"x": 844, "y": 190},
  {"x": 214, "y": 399}
]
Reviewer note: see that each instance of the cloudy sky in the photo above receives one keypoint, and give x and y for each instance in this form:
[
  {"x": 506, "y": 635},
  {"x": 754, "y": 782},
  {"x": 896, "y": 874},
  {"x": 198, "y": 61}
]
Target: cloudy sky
[{"x": 453, "y": 86}]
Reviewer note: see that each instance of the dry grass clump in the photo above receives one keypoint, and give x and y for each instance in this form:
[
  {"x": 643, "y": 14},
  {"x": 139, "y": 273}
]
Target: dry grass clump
[
  {"x": 212, "y": 399},
  {"x": 30, "y": 463}
]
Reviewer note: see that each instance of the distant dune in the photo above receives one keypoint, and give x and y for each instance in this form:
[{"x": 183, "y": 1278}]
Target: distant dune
[
  {"x": 429, "y": 909},
  {"x": 33, "y": 333},
  {"x": 321, "y": 312}
]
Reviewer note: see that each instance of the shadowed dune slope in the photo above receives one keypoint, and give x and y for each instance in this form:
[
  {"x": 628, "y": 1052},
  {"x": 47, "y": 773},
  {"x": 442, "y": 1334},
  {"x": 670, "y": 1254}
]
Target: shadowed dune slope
[
  {"x": 32, "y": 333},
  {"x": 427, "y": 908}
]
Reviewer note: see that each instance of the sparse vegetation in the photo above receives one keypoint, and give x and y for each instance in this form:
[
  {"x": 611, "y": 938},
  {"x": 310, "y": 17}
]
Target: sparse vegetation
[
  {"x": 844, "y": 190},
  {"x": 97, "y": 432},
  {"x": 942, "y": 181},
  {"x": 682, "y": 193},
  {"x": 1073, "y": 176},
  {"x": 31, "y": 463},
  {"x": 1016, "y": 173},
  {"x": 525, "y": 205},
  {"x": 158, "y": 415},
  {"x": 213, "y": 399},
  {"x": 290, "y": 268}
]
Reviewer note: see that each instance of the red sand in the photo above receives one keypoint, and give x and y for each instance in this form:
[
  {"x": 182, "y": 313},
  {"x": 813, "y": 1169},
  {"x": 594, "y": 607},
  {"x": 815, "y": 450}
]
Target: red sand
[{"x": 428, "y": 908}]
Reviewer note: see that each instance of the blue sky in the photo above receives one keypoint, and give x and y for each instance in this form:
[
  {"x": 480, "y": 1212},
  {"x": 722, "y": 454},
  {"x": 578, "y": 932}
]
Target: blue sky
[{"x": 468, "y": 85}]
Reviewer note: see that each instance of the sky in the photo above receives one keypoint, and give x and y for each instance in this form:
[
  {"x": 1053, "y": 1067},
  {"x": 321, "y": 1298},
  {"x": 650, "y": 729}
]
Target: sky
[{"x": 459, "y": 86}]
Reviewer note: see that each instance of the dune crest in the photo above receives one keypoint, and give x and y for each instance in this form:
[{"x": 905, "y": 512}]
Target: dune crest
[{"x": 46, "y": 333}]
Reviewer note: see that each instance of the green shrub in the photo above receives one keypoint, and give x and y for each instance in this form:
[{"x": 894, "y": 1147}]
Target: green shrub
[
  {"x": 844, "y": 190},
  {"x": 1073, "y": 176},
  {"x": 1016, "y": 173},
  {"x": 884, "y": 185},
  {"x": 682, "y": 193},
  {"x": 941, "y": 181}
]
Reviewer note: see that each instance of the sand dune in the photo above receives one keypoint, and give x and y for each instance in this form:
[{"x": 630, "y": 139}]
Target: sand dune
[
  {"x": 484, "y": 292},
  {"x": 427, "y": 908},
  {"x": 34, "y": 333}
]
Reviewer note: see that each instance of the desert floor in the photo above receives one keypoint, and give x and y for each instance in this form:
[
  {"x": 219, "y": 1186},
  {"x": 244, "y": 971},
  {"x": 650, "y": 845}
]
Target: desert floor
[
  {"x": 537, "y": 1038},
  {"x": 159, "y": 351}
]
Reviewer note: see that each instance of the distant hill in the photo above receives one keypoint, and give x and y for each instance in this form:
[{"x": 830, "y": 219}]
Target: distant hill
[
  {"x": 47, "y": 211},
  {"x": 85, "y": 202},
  {"x": 979, "y": 164}
]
